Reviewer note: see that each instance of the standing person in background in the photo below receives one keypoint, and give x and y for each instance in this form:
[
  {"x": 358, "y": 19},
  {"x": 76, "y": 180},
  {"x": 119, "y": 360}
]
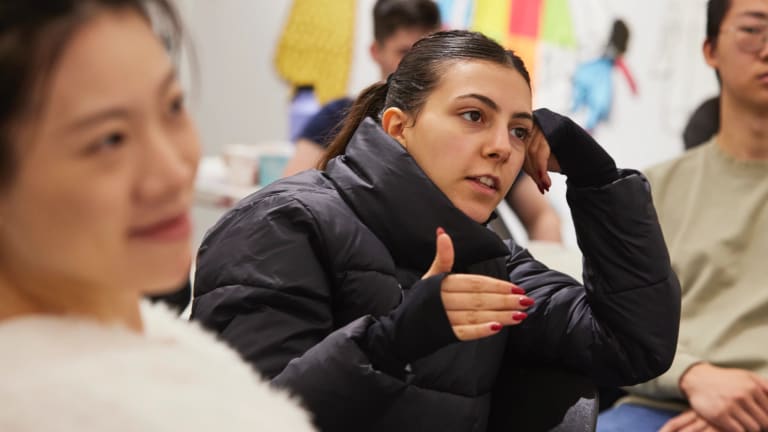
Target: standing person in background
[
  {"x": 97, "y": 161},
  {"x": 397, "y": 24},
  {"x": 713, "y": 208},
  {"x": 373, "y": 289}
]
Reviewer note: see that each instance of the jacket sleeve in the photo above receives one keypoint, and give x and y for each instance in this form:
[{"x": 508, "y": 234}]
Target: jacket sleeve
[
  {"x": 261, "y": 285},
  {"x": 621, "y": 327}
]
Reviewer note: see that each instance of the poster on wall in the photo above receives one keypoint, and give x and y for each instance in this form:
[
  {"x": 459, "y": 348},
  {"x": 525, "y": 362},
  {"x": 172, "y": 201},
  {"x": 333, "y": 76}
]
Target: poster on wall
[{"x": 572, "y": 68}]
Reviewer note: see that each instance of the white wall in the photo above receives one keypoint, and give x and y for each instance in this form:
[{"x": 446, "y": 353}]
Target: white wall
[
  {"x": 237, "y": 96},
  {"x": 241, "y": 99}
]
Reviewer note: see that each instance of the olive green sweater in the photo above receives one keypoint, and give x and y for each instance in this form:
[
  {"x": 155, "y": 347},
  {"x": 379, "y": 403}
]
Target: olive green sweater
[{"x": 713, "y": 211}]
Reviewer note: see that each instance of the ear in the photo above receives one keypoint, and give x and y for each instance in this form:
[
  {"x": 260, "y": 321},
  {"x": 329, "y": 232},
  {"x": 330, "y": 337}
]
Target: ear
[
  {"x": 374, "y": 49},
  {"x": 710, "y": 55},
  {"x": 394, "y": 122}
]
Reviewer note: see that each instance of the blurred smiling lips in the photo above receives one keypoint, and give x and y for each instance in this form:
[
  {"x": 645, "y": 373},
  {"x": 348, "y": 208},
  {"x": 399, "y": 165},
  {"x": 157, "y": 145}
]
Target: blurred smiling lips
[
  {"x": 486, "y": 184},
  {"x": 174, "y": 228},
  {"x": 763, "y": 78}
]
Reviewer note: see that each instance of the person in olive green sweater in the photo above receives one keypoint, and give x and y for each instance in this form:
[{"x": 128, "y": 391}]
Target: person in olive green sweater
[{"x": 712, "y": 203}]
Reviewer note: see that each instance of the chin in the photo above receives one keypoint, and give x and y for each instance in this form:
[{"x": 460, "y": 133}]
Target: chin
[
  {"x": 479, "y": 215},
  {"x": 163, "y": 275}
]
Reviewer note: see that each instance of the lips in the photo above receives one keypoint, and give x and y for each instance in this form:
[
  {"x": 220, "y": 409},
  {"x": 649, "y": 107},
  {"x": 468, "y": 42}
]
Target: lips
[
  {"x": 488, "y": 181},
  {"x": 170, "y": 229}
]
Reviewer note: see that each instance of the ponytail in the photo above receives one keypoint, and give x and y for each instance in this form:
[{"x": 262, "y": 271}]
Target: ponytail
[{"x": 369, "y": 103}]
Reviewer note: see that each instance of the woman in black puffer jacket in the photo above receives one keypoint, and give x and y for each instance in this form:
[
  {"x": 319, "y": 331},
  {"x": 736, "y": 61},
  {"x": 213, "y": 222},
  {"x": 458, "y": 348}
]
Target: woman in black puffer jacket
[{"x": 329, "y": 281}]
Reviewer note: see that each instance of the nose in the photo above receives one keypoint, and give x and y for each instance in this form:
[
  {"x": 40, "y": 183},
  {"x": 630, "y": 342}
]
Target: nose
[
  {"x": 498, "y": 146},
  {"x": 763, "y": 52},
  {"x": 167, "y": 167}
]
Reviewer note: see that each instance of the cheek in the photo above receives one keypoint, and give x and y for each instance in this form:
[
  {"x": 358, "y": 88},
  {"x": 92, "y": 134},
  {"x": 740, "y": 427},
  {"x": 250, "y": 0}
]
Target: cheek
[
  {"x": 189, "y": 141},
  {"x": 68, "y": 224}
]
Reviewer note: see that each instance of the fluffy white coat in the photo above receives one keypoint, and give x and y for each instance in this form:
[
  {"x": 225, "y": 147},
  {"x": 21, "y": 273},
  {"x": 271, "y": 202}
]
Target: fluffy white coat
[{"x": 68, "y": 374}]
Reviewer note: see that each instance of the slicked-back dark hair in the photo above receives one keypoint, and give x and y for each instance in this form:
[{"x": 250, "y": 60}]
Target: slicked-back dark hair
[{"x": 417, "y": 76}]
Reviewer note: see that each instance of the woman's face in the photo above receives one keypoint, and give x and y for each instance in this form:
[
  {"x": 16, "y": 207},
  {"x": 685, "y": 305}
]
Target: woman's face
[
  {"x": 470, "y": 136},
  {"x": 105, "y": 168}
]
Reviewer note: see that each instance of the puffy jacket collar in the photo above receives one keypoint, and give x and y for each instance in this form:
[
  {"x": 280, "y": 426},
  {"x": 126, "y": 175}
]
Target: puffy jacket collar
[{"x": 393, "y": 197}]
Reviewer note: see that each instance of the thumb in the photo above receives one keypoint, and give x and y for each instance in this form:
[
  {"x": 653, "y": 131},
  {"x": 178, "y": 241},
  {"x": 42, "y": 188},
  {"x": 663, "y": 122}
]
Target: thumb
[{"x": 443, "y": 262}]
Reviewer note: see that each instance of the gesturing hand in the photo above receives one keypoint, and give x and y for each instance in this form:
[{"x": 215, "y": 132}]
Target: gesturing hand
[
  {"x": 729, "y": 399},
  {"x": 477, "y": 306}
]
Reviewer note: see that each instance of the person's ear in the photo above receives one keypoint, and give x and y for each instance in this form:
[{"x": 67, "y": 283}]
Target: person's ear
[
  {"x": 710, "y": 55},
  {"x": 394, "y": 122},
  {"x": 375, "y": 52}
]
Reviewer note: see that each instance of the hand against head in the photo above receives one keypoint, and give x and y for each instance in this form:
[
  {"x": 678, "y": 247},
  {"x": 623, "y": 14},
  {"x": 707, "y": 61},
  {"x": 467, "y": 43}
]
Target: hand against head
[{"x": 539, "y": 159}]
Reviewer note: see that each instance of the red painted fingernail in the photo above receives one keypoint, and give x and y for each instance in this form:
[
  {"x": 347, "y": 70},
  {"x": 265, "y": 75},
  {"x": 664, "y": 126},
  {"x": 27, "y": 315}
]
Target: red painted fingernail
[
  {"x": 496, "y": 327},
  {"x": 526, "y": 301},
  {"x": 517, "y": 290},
  {"x": 519, "y": 316},
  {"x": 440, "y": 230}
]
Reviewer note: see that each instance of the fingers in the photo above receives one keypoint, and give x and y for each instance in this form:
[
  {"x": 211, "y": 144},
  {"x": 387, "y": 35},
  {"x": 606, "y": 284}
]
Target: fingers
[
  {"x": 676, "y": 424},
  {"x": 466, "y": 283},
  {"x": 472, "y": 317},
  {"x": 538, "y": 159},
  {"x": 486, "y": 302},
  {"x": 729, "y": 424},
  {"x": 758, "y": 417},
  {"x": 543, "y": 156},
  {"x": 698, "y": 425},
  {"x": 444, "y": 255},
  {"x": 476, "y": 331},
  {"x": 761, "y": 399},
  {"x": 763, "y": 383},
  {"x": 745, "y": 420}
]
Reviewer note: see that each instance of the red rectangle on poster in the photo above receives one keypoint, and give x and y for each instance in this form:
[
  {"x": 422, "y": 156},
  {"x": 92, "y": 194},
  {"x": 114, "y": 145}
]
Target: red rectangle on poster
[{"x": 525, "y": 17}]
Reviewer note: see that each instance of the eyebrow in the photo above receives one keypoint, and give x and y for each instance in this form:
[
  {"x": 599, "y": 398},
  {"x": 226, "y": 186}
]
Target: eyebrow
[
  {"x": 754, "y": 14},
  {"x": 485, "y": 100},
  {"x": 119, "y": 112}
]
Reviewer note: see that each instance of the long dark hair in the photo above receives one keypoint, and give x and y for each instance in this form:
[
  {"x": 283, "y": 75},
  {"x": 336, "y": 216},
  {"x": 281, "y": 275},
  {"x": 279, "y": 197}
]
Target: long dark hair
[
  {"x": 417, "y": 75},
  {"x": 33, "y": 34}
]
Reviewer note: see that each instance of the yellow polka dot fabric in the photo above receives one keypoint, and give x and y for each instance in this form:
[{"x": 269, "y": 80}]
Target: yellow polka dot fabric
[{"x": 316, "y": 46}]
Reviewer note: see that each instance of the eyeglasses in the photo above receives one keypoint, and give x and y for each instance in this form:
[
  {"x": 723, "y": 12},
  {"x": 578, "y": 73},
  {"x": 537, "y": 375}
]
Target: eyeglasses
[{"x": 750, "y": 39}]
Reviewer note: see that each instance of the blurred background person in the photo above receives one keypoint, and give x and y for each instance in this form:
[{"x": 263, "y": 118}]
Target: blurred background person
[
  {"x": 713, "y": 207},
  {"x": 97, "y": 161}
]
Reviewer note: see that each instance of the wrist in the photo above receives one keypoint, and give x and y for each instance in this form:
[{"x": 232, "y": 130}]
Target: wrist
[{"x": 688, "y": 379}]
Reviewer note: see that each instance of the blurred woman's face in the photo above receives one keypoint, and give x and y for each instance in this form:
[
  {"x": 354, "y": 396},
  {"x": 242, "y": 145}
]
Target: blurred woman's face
[
  {"x": 105, "y": 169},
  {"x": 470, "y": 136}
]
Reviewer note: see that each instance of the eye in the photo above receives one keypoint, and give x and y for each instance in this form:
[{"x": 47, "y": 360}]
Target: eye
[
  {"x": 473, "y": 116},
  {"x": 177, "y": 105},
  {"x": 520, "y": 133},
  {"x": 108, "y": 142},
  {"x": 753, "y": 30}
]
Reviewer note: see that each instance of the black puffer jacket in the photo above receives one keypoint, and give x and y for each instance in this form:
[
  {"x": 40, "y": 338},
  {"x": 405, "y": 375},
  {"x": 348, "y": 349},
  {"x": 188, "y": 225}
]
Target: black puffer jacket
[{"x": 297, "y": 275}]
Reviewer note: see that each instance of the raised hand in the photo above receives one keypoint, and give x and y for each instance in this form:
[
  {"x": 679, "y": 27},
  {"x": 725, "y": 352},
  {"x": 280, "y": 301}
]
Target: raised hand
[
  {"x": 477, "y": 306},
  {"x": 539, "y": 160}
]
